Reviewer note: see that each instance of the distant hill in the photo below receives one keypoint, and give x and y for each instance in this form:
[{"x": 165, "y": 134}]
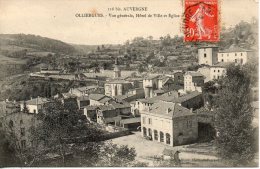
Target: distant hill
[{"x": 32, "y": 43}]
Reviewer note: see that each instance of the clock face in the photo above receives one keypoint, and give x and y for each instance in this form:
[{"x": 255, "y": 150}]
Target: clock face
[{"x": 201, "y": 21}]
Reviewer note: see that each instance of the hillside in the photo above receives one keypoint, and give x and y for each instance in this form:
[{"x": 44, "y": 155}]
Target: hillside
[{"x": 32, "y": 43}]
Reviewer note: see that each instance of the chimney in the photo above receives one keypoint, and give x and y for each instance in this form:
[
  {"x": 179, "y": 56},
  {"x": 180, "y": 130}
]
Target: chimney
[
  {"x": 191, "y": 110},
  {"x": 31, "y": 98}
]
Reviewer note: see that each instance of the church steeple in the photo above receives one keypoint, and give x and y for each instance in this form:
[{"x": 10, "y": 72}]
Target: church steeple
[{"x": 117, "y": 71}]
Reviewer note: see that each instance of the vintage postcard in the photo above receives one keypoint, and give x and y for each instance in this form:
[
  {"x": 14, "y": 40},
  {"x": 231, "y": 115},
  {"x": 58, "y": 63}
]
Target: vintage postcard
[{"x": 129, "y": 83}]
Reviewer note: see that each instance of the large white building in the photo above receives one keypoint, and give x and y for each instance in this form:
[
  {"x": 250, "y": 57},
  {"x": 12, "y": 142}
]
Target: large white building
[{"x": 235, "y": 54}]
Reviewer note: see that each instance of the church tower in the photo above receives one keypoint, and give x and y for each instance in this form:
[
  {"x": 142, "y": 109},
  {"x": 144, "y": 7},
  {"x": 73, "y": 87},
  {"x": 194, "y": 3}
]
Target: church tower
[{"x": 117, "y": 71}]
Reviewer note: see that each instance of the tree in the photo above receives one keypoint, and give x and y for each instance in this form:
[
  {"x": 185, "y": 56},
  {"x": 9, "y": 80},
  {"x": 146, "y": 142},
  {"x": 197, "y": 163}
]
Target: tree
[
  {"x": 117, "y": 156},
  {"x": 234, "y": 118},
  {"x": 7, "y": 153}
]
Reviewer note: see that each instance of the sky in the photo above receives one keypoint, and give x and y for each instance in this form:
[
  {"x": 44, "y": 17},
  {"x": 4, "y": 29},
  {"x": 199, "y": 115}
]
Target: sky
[{"x": 56, "y": 19}]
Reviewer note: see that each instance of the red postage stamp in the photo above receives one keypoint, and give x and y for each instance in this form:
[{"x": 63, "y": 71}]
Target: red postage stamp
[{"x": 201, "y": 20}]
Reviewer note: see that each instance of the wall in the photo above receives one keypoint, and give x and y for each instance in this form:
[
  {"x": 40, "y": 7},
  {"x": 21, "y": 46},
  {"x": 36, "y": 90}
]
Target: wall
[
  {"x": 205, "y": 71},
  {"x": 185, "y": 130},
  {"x": 157, "y": 123},
  {"x": 194, "y": 103},
  {"x": 233, "y": 57},
  {"x": 20, "y": 121},
  {"x": 207, "y": 56},
  {"x": 217, "y": 72}
]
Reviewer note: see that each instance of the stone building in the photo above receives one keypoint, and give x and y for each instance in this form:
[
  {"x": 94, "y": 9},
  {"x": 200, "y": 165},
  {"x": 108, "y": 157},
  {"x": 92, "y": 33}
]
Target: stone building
[
  {"x": 19, "y": 124},
  {"x": 150, "y": 83},
  {"x": 235, "y": 54},
  {"x": 117, "y": 87},
  {"x": 213, "y": 72},
  {"x": 208, "y": 55},
  {"x": 193, "y": 81},
  {"x": 169, "y": 123},
  {"x": 193, "y": 100}
]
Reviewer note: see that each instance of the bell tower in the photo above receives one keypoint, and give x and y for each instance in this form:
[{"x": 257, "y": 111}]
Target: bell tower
[{"x": 117, "y": 71}]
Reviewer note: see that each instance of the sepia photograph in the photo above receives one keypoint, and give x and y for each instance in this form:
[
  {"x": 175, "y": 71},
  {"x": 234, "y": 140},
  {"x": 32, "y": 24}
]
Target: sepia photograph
[{"x": 129, "y": 83}]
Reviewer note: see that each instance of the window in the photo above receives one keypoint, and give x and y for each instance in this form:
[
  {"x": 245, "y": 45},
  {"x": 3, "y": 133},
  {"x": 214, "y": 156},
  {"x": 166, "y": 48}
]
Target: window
[
  {"x": 222, "y": 60},
  {"x": 34, "y": 111},
  {"x": 149, "y": 121},
  {"x": 22, "y": 131},
  {"x": 150, "y": 132},
  {"x": 161, "y": 137},
  {"x": 241, "y": 54},
  {"x": 235, "y": 60},
  {"x": 168, "y": 138},
  {"x": 235, "y": 54},
  {"x": 205, "y": 55},
  {"x": 218, "y": 70},
  {"x": 222, "y": 54},
  {"x": 214, "y": 70},
  {"x": 144, "y": 131},
  {"x": 23, "y": 144},
  {"x": 155, "y": 135},
  {"x": 214, "y": 77},
  {"x": 143, "y": 120},
  {"x": 241, "y": 61},
  {"x": 189, "y": 123},
  {"x": 21, "y": 121},
  {"x": 227, "y": 54}
]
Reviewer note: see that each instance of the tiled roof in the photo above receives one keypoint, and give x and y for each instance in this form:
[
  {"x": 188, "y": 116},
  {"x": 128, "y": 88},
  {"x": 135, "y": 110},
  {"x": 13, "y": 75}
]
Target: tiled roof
[
  {"x": 106, "y": 107},
  {"x": 120, "y": 105},
  {"x": 150, "y": 77},
  {"x": 105, "y": 99},
  {"x": 85, "y": 88},
  {"x": 222, "y": 64},
  {"x": 130, "y": 120},
  {"x": 91, "y": 107},
  {"x": 233, "y": 48},
  {"x": 193, "y": 73},
  {"x": 118, "y": 81},
  {"x": 209, "y": 46},
  {"x": 96, "y": 97},
  {"x": 160, "y": 91},
  {"x": 169, "y": 109},
  {"x": 171, "y": 98},
  {"x": 81, "y": 98}
]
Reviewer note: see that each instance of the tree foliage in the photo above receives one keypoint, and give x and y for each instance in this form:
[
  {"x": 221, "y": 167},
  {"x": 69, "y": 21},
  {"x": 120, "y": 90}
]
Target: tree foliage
[{"x": 234, "y": 118}]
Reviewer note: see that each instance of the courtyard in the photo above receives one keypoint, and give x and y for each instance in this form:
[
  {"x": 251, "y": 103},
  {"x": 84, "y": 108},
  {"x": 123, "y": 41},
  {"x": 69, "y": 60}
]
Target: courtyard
[{"x": 148, "y": 151}]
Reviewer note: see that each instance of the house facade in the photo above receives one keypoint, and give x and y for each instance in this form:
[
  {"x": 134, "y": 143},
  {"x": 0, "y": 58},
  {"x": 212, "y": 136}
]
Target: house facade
[
  {"x": 169, "y": 123},
  {"x": 213, "y": 72},
  {"x": 193, "y": 81},
  {"x": 235, "y": 54}
]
